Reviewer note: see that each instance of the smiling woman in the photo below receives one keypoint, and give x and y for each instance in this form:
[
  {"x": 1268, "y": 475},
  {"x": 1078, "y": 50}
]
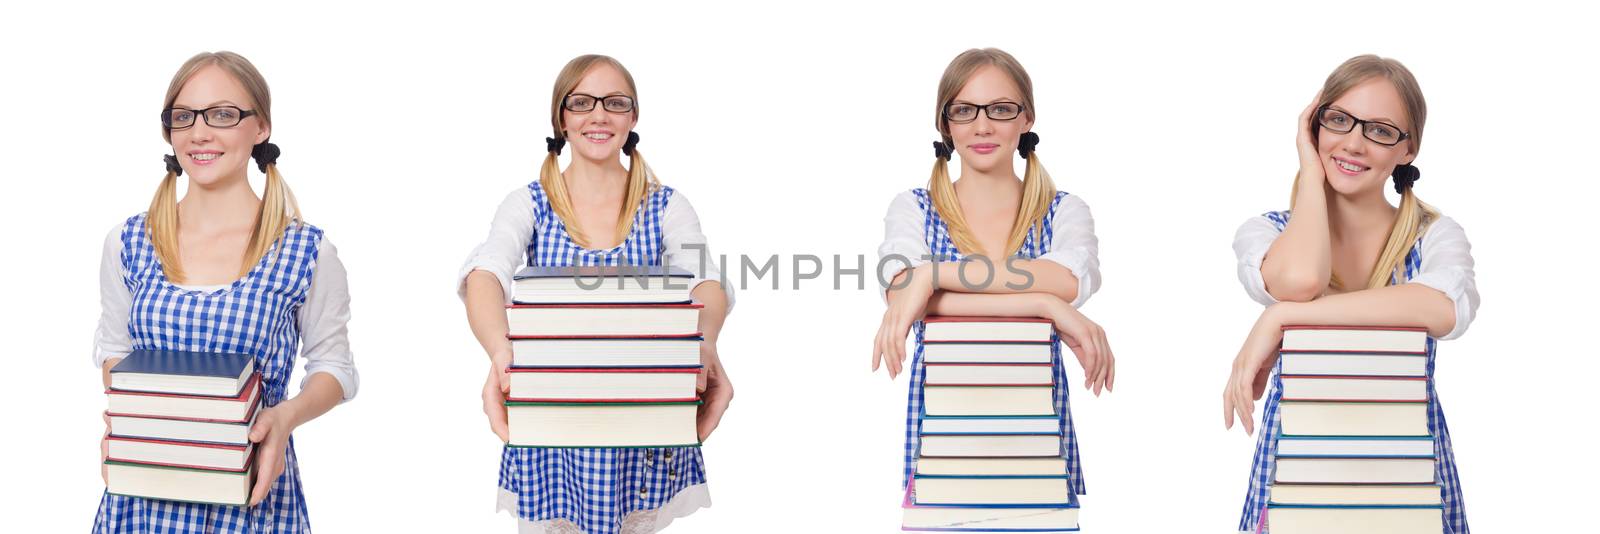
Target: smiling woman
[{"x": 222, "y": 271}]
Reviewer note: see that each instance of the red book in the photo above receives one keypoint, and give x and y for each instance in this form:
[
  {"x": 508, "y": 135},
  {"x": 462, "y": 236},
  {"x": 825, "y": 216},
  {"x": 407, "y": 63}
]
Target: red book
[
  {"x": 959, "y": 329},
  {"x": 236, "y": 409}
]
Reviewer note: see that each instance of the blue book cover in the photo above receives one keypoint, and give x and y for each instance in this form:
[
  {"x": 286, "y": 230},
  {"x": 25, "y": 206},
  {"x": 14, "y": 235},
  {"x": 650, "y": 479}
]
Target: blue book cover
[{"x": 217, "y": 374}]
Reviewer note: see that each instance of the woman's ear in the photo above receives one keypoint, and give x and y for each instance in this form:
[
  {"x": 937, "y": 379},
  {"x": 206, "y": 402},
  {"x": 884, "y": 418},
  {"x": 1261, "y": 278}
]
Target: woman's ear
[{"x": 263, "y": 134}]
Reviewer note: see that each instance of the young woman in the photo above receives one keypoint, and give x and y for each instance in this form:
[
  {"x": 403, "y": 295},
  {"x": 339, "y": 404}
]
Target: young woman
[
  {"x": 984, "y": 113},
  {"x": 225, "y": 271},
  {"x": 1348, "y": 257},
  {"x": 595, "y": 212}
]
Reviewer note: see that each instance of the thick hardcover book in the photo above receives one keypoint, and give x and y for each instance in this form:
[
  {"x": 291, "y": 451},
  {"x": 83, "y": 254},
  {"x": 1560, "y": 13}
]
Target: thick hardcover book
[
  {"x": 939, "y": 328},
  {"x": 1356, "y": 339},
  {"x": 603, "y": 424},
  {"x": 602, "y": 284},
  {"x": 935, "y": 518},
  {"x": 236, "y": 409},
  {"x": 603, "y": 320},
  {"x": 215, "y": 374},
  {"x": 566, "y": 384}
]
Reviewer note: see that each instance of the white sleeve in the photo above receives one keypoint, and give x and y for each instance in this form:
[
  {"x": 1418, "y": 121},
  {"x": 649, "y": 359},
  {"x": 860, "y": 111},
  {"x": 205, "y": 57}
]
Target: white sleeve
[
  {"x": 501, "y": 253},
  {"x": 111, "y": 338},
  {"x": 684, "y": 244},
  {"x": 1074, "y": 245},
  {"x": 1447, "y": 266},
  {"x": 324, "y": 320},
  {"x": 904, "y": 244},
  {"x": 1250, "y": 244}
]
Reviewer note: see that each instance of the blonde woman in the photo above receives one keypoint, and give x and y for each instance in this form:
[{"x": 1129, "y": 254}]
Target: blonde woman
[
  {"x": 1348, "y": 257},
  {"x": 595, "y": 212},
  {"x": 1032, "y": 236},
  {"x": 225, "y": 271}
]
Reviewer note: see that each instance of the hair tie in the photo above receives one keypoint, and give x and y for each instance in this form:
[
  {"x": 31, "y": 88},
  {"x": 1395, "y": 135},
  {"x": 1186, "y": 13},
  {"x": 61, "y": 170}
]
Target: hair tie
[
  {"x": 172, "y": 165},
  {"x": 265, "y": 154},
  {"x": 633, "y": 140},
  {"x": 941, "y": 150},
  {"x": 553, "y": 144},
  {"x": 1026, "y": 144},
  {"x": 1404, "y": 175}
]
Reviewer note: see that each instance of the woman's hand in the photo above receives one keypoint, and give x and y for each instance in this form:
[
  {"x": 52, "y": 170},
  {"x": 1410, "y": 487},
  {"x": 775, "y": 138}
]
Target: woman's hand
[
  {"x": 905, "y": 307},
  {"x": 1311, "y": 169},
  {"x": 270, "y": 433},
  {"x": 495, "y": 389},
  {"x": 1251, "y": 369},
  {"x": 1088, "y": 342},
  {"x": 716, "y": 391},
  {"x": 105, "y": 448}
]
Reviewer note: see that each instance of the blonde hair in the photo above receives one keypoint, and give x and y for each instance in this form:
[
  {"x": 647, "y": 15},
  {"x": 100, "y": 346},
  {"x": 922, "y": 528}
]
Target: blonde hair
[
  {"x": 1038, "y": 191},
  {"x": 1414, "y": 216},
  {"x": 278, "y": 206},
  {"x": 640, "y": 180}
]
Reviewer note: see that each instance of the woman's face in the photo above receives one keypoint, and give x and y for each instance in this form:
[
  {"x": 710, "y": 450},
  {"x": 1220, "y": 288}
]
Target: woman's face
[
  {"x": 985, "y": 144},
  {"x": 598, "y": 134},
  {"x": 211, "y": 154},
  {"x": 1354, "y": 164}
]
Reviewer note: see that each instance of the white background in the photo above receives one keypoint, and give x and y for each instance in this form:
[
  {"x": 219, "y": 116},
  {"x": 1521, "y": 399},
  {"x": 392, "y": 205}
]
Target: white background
[{"x": 791, "y": 129}]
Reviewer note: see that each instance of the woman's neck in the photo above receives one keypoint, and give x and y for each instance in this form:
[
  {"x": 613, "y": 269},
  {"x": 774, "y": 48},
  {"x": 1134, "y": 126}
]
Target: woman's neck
[
  {"x": 1367, "y": 215},
  {"x": 591, "y": 179},
  {"x": 218, "y": 207},
  {"x": 996, "y": 183}
]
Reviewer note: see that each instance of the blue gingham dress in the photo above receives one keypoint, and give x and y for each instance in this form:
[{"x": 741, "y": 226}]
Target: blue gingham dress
[
  {"x": 1261, "y": 469},
  {"x": 940, "y": 246},
  {"x": 596, "y": 488},
  {"x": 255, "y": 315}
]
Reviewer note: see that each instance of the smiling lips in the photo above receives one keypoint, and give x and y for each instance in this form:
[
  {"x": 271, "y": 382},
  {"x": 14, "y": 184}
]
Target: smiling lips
[
  {"x": 597, "y": 137},
  {"x": 1348, "y": 167},
  {"x": 204, "y": 157},
  {"x": 985, "y": 148}
]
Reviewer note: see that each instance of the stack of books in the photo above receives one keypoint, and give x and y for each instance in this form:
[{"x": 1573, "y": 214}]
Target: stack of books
[
  {"x": 1355, "y": 453},
  {"x": 603, "y": 357},
  {"x": 180, "y": 426},
  {"x": 989, "y": 457}
]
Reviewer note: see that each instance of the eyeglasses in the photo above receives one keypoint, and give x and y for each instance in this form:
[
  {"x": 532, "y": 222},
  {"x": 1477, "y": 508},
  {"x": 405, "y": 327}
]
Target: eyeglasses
[
  {"x": 215, "y": 117},
  {"x": 961, "y": 112},
  {"x": 1381, "y": 133},
  {"x": 582, "y": 103}
]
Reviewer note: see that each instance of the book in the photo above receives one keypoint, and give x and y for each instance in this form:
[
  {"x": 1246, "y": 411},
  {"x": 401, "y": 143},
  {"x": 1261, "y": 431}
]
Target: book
[
  {"x": 1301, "y": 418},
  {"x": 933, "y": 445},
  {"x": 1349, "y": 364},
  {"x": 1354, "y": 470},
  {"x": 988, "y": 400},
  {"x": 1047, "y": 491},
  {"x": 1028, "y": 424},
  {"x": 1337, "y": 519},
  {"x": 1356, "y": 494},
  {"x": 956, "y": 328},
  {"x": 934, "y": 518},
  {"x": 1380, "y": 339},
  {"x": 680, "y": 351},
  {"x": 1055, "y": 465},
  {"x": 185, "y": 373},
  {"x": 239, "y": 408},
  {"x": 609, "y": 384},
  {"x": 1020, "y": 352},
  {"x": 1355, "y": 388},
  {"x": 962, "y": 374},
  {"x": 596, "y": 284},
  {"x": 197, "y": 430},
  {"x": 602, "y": 424},
  {"x": 599, "y": 320},
  {"x": 1356, "y": 446},
  {"x": 179, "y": 453},
  {"x": 205, "y": 486}
]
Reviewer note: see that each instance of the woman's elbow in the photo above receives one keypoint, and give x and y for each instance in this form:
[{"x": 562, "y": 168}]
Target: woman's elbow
[{"x": 1294, "y": 287}]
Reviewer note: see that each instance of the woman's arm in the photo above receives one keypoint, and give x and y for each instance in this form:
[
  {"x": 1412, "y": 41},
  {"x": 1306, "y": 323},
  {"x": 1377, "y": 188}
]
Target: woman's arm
[
  {"x": 1085, "y": 338},
  {"x": 1300, "y": 263},
  {"x": 485, "y": 286},
  {"x": 716, "y": 388}
]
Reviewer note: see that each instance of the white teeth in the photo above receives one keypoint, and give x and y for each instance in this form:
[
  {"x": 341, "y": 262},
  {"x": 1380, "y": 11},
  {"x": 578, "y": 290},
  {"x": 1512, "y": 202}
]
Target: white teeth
[
  {"x": 1348, "y": 166},
  {"x": 204, "y": 157},
  {"x": 598, "y": 136}
]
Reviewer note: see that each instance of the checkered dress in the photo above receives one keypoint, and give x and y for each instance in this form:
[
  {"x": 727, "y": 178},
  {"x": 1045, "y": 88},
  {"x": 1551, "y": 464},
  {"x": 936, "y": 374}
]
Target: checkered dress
[
  {"x": 940, "y": 246},
  {"x": 595, "y": 488},
  {"x": 1261, "y": 469},
  {"x": 256, "y": 315}
]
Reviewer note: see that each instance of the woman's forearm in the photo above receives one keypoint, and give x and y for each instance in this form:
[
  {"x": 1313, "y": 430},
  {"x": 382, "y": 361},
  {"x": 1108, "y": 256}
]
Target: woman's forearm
[
  {"x": 1401, "y": 305},
  {"x": 715, "y": 312},
  {"x": 486, "y": 312},
  {"x": 1299, "y": 263},
  {"x": 1003, "y": 277}
]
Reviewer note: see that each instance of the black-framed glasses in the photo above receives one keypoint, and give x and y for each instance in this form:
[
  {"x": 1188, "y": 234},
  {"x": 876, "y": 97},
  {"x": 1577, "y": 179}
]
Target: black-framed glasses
[
  {"x": 1378, "y": 132},
  {"x": 582, "y": 103},
  {"x": 215, "y": 117},
  {"x": 962, "y": 112}
]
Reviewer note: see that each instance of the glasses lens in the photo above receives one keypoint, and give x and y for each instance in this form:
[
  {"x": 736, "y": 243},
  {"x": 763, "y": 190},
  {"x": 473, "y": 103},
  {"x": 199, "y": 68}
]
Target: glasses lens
[
  {"x": 224, "y": 117},
  {"x": 617, "y": 104},
  {"x": 1382, "y": 134},
  {"x": 960, "y": 112},
  {"x": 580, "y": 103},
  {"x": 177, "y": 118},
  {"x": 1003, "y": 111},
  {"x": 1337, "y": 121}
]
